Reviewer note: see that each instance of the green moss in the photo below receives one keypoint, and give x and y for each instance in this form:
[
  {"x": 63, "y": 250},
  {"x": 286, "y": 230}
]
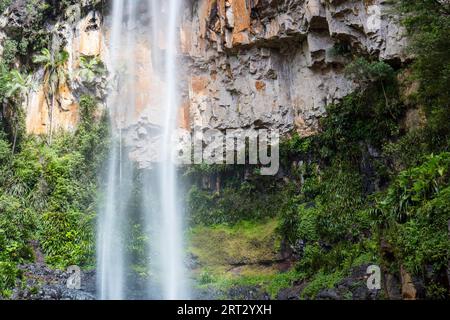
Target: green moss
[
  {"x": 222, "y": 246},
  {"x": 241, "y": 255},
  {"x": 320, "y": 282},
  {"x": 268, "y": 281}
]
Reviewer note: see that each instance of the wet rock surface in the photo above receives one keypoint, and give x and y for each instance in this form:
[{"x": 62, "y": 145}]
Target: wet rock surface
[
  {"x": 42, "y": 283},
  {"x": 352, "y": 287}
]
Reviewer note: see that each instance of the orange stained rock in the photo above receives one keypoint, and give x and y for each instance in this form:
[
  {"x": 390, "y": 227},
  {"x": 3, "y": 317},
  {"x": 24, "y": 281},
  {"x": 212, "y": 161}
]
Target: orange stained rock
[
  {"x": 260, "y": 85},
  {"x": 184, "y": 120},
  {"x": 37, "y": 113},
  {"x": 222, "y": 12},
  {"x": 185, "y": 38},
  {"x": 242, "y": 22},
  {"x": 90, "y": 43},
  {"x": 64, "y": 114},
  {"x": 241, "y": 15},
  {"x": 199, "y": 84},
  {"x": 205, "y": 8}
]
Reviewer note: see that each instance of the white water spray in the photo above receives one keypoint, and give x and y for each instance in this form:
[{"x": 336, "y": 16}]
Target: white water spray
[
  {"x": 164, "y": 225},
  {"x": 173, "y": 284}
]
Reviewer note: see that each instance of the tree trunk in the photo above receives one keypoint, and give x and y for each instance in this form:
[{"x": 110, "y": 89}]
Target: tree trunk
[
  {"x": 50, "y": 117},
  {"x": 448, "y": 262},
  {"x": 14, "y": 139}
]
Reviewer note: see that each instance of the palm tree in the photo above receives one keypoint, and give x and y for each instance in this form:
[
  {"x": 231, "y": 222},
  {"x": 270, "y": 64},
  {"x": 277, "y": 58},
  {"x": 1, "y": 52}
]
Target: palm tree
[
  {"x": 18, "y": 84},
  {"x": 90, "y": 68},
  {"x": 54, "y": 75},
  {"x": 17, "y": 87}
]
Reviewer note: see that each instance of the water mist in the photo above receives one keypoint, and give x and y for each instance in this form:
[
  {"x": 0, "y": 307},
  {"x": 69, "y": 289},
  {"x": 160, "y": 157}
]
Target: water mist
[{"x": 154, "y": 26}]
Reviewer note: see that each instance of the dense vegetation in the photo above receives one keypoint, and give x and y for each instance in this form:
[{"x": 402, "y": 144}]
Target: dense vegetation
[
  {"x": 49, "y": 183},
  {"x": 371, "y": 188},
  {"x": 48, "y": 196}
]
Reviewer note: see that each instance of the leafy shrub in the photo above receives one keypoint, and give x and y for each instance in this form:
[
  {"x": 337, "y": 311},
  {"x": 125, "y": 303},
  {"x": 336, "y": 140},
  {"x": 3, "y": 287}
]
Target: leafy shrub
[
  {"x": 416, "y": 208},
  {"x": 232, "y": 204},
  {"x": 8, "y": 275},
  {"x": 428, "y": 24},
  {"x": 319, "y": 282},
  {"x": 68, "y": 239},
  {"x": 48, "y": 195},
  {"x": 415, "y": 187},
  {"x": 4, "y": 4}
]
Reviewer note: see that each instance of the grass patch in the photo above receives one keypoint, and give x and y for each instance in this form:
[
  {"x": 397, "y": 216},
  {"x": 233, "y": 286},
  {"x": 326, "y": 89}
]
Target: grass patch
[
  {"x": 226, "y": 246},
  {"x": 244, "y": 255},
  {"x": 270, "y": 281}
]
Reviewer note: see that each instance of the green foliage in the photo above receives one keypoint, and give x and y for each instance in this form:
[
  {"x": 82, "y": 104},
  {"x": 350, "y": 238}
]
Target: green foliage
[
  {"x": 90, "y": 69},
  {"x": 67, "y": 238},
  {"x": 4, "y": 4},
  {"x": 32, "y": 35},
  {"x": 8, "y": 276},
  {"x": 365, "y": 72},
  {"x": 416, "y": 186},
  {"x": 428, "y": 23},
  {"x": 340, "y": 215},
  {"x": 341, "y": 49},
  {"x": 48, "y": 194},
  {"x": 416, "y": 209},
  {"x": 409, "y": 150},
  {"x": 319, "y": 282},
  {"x": 206, "y": 277},
  {"x": 14, "y": 88},
  {"x": 54, "y": 66},
  {"x": 233, "y": 203},
  {"x": 9, "y": 51},
  {"x": 18, "y": 84},
  {"x": 222, "y": 246},
  {"x": 16, "y": 225},
  {"x": 360, "y": 118},
  {"x": 54, "y": 76},
  {"x": 90, "y": 135},
  {"x": 294, "y": 145},
  {"x": 271, "y": 282}
]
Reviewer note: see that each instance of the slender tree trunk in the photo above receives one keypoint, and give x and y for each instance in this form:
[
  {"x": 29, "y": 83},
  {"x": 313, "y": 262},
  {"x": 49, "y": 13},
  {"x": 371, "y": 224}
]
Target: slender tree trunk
[
  {"x": 15, "y": 137},
  {"x": 386, "y": 99},
  {"x": 49, "y": 106},
  {"x": 218, "y": 183},
  {"x": 51, "y": 119},
  {"x": 385, "y": 95},
  {"x": 16, "y": 127},
  {"x": 448, "y": 262}
]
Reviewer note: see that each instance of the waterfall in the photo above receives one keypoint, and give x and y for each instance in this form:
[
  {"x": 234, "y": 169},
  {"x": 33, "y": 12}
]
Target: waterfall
[
  {"x": 144, "y": 41},
  {"x": 171, "y": 228}
]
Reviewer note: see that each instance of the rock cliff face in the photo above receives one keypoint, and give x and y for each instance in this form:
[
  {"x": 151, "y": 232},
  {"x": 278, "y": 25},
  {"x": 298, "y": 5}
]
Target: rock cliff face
[
  {"x": 77, "y": 33},
  {"x": 276, "y": 63},
  {"x": 247, "y": 63}
]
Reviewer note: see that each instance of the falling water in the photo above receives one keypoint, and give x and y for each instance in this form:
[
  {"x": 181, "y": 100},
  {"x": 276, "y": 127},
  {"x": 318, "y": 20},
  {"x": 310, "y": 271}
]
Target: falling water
[
  {"x": 171, "y": 231},
  {"x": 110, "y": 256},
  {"x": 153, "y": 25}
]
